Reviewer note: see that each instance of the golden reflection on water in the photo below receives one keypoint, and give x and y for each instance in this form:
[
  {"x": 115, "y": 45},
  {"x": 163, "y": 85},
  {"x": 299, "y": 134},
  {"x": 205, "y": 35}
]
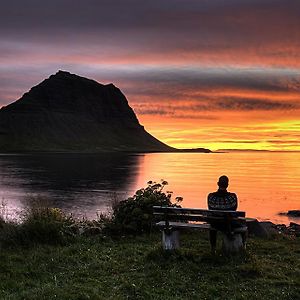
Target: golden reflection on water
[{"x": 266, "y": 182}]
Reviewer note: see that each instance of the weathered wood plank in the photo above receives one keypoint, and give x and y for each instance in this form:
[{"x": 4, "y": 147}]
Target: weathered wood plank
[
  {"x": 199, "y": 218},
  {"x": 179, "y": 225},
  {"x": 196, "y": 211}
]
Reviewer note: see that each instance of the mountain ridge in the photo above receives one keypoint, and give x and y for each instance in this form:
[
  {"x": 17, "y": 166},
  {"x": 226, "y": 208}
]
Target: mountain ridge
[{"x": 70, "y": 113}]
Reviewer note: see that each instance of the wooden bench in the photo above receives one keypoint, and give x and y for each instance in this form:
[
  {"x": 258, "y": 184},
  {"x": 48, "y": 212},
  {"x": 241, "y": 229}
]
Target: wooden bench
[{"x": 174, "y": 219}]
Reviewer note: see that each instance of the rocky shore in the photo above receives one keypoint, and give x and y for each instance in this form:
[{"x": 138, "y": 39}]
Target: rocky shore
[
  {"x": 293, "y": 213},
  {"x": 255, "y": 228},
  {"x": 269, "y": 229},
  {"x": 292, "y": 229}
]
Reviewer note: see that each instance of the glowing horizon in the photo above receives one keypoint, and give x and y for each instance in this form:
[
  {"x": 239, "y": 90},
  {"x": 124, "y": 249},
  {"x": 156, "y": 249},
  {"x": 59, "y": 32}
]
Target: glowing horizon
[{"x": 197, "y": 74}]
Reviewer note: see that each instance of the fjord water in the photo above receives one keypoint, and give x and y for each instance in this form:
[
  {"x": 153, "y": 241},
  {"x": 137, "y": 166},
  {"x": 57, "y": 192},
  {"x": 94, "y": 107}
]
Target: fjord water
[{"x": 266, "y": 183}]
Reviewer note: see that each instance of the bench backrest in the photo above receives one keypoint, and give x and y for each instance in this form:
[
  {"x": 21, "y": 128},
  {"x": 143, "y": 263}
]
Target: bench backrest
[{"x": 195, "y": 214}]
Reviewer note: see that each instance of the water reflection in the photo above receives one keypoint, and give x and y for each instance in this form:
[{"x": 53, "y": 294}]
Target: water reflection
[
  {"x": 266, "y": 183},
  {"x": 81, "y": 184}
]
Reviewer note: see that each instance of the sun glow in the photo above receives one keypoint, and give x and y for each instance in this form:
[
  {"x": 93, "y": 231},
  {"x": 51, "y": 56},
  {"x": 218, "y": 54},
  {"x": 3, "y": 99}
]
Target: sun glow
[{"x": 273, "y": 136}]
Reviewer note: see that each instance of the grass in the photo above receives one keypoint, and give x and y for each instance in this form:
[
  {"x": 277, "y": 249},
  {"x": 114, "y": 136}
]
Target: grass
[{"x": 100, "y": 267}]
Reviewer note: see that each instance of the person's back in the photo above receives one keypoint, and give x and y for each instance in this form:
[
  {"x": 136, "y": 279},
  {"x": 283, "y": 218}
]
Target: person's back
[{"x": 222, "y": 199}]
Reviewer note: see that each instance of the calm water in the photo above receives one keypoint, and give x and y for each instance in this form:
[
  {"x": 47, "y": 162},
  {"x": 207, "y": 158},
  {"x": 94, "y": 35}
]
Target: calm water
[{"x": 266, "y": 183}]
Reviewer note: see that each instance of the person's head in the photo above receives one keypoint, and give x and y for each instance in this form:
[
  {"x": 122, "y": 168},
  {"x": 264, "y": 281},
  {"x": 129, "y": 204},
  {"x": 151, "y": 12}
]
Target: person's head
[{"x": 223, "y": 182}]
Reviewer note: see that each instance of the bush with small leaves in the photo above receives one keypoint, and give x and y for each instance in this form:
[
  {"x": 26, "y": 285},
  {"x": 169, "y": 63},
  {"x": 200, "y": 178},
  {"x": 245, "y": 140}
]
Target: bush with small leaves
[{"x": 135, "y": 214}]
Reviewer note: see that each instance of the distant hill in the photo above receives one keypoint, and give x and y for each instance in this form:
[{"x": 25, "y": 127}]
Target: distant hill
[{"x": 69, "y": 113}]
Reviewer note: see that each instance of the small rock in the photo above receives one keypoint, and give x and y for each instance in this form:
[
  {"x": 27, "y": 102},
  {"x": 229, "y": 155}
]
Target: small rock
[
  {"x": 295, "y": 225},
  {"x": 294, "y": 213},
  {"x": 295, "y": 229},
  {"x": 262, "y": 229}
]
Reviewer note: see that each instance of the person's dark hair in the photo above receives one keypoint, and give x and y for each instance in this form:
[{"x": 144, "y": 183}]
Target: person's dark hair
[{"x": 223, "y": 182}]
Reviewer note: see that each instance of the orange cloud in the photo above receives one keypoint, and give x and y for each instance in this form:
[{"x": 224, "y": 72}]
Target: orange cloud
[{"x": 198, "y": 73}]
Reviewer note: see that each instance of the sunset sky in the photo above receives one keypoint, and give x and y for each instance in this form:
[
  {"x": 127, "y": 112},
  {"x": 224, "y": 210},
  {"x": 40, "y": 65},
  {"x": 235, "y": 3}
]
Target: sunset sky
[{"x": 211, "y": 73}]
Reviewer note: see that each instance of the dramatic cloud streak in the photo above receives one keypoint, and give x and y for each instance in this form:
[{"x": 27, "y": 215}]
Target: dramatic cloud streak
[{"x": 188, "y": 66}]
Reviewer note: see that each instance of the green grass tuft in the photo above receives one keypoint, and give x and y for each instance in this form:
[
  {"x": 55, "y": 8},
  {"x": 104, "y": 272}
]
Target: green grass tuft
[{"x": 100, "y": 267}]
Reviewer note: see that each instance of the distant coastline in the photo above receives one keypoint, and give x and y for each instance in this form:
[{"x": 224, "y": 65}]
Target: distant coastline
[
  {"x": 172, "y": 150},
  {"x": 254, "y": 150}
]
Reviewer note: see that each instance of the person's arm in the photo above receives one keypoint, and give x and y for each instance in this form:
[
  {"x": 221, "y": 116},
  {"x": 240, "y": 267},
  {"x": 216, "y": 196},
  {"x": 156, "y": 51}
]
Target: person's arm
[
  {"x": 209, "y": 201},
  {"x": 234, "y": 201}
]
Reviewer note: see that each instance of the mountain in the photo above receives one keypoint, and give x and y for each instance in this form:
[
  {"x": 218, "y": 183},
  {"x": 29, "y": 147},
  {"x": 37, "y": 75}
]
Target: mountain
[{"x": 67, "y": 112}]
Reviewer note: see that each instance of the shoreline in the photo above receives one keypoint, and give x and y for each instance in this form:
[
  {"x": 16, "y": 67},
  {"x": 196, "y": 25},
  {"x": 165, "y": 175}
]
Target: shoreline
[{"x": 15, "y": 214}]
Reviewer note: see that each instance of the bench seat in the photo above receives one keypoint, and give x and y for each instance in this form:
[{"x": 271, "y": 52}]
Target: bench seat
[
  {"x": 171, "y": 220},
  {"x": 205, "y": 226}
]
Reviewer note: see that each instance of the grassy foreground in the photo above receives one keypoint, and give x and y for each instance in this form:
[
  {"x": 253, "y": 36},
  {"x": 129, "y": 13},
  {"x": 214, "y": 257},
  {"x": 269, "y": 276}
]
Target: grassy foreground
[{"x": 99, "y": 267}]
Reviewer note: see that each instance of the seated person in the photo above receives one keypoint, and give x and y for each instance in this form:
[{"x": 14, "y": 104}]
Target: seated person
[{"x": 222, "y": 200}]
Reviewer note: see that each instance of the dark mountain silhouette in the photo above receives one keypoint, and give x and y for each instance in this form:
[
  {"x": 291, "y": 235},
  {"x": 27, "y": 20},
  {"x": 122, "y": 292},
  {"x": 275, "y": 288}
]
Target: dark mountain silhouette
[{"x": 67, "y": 112}]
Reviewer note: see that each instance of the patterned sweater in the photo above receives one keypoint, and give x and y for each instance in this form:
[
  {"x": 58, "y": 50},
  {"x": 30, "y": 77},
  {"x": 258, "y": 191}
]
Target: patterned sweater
[{"x": 222, "y": 200}]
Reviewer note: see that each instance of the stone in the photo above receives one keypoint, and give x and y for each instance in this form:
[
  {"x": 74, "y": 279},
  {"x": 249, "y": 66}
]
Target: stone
[
  {"x": 294, "y": 228},
  {"x": 294, "y": 213},
  {"x": 261, "y": 229},
  {"x": 295, "y": 225}
]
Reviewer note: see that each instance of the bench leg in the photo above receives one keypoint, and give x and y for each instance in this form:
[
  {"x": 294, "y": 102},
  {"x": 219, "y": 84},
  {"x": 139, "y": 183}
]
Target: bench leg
[
  {"x": 233, "y": 244},
  {"x": 170, "y": 239},
  {"x": 244, "y": 238}
]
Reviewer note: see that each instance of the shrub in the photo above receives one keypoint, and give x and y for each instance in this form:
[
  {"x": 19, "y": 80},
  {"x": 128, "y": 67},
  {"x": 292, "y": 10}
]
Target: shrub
[
  {"x": 135, "y": 214},
  {"x": 44, "y": 224}
]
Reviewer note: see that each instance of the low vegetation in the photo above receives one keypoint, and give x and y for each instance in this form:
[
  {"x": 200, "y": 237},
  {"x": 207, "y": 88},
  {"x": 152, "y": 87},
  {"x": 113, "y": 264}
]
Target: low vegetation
[
  {"x": 100, "y": 267},
  {"x": 52, "y": 256},
  {"x": 42, "y": 224},
  {"x": 134, "y": 215},
  {"x": 39, "y": 224}
]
